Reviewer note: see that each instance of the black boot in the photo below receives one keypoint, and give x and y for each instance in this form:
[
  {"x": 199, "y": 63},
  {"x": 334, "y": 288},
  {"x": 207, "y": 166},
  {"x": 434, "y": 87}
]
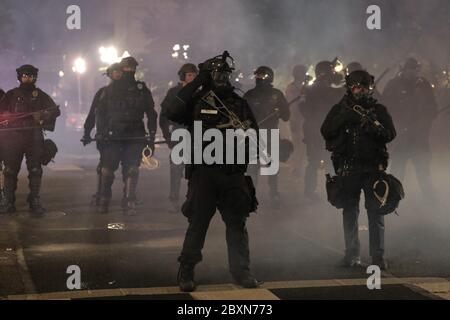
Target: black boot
[
  {"x": 35, "y": 206},
  {"x": 105, "y": 185},
  {"x": 246, "y": 280},
  {"x": 186, "y": 278},
  {"x": 6, "y": 206},
  {"x": 129, "y": 196},
  {"x": 35, "y": 178},
  {"x": 8, "y": 198},
  {"x": 95, "y": 201},
  {"x": 380, "y": 262}
]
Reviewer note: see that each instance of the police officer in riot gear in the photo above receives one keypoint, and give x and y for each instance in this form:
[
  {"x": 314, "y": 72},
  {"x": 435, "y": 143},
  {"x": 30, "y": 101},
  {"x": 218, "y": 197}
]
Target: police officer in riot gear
[
  {"x": 414, "y": 108},
  {"x": 187, "y": 74},
  {"x": 114, "y": 72},
  {"x": 121, "y": 131},
  {"x": 211, "y": 100},
  {"x": 29, "y": 111},
  {"x": 294, "y": 93},
  {"x": 269, "y": 106},
  {"x": 315, "y": 105},
  {"x": 356, "y": 131}
]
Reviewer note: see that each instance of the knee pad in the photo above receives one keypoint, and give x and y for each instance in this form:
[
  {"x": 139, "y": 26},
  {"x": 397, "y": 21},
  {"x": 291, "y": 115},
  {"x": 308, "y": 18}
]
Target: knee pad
[
  {"x": 35, "y": 172},
  {"x": 133, "y": 171},
  {"x": 9, "y": 172},
  {"x": 107, "y": 173}
]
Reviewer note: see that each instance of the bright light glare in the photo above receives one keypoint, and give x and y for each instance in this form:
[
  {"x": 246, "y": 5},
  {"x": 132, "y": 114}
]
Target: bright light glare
[{"x": 79, "y": 66}]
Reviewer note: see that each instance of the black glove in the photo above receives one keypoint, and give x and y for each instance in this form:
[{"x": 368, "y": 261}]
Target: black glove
[
  {"x": 86, "y": 139},
  {"x": 203, "y": 78}
]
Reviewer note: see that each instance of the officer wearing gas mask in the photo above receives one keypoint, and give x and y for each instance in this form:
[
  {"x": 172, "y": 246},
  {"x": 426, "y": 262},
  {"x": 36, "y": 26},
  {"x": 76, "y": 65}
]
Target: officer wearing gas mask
[
  {"x": 210, "y": 98},
  {"x": 120, "y": 129},
  {"x": 269, "y": 106},
  {"x": 414, "y": 109},
  {"x": 29, "y": 112},
  {"x": 316, "y": 104},
  {"x": 114, "y": 72},
  {"x": 356, "y": 131},
  {"x": 187, "y": 74}
]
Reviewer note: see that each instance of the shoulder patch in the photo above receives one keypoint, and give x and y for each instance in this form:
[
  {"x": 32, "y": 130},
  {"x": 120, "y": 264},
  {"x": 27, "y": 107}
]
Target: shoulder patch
[
  {"x": 35, "y": 93},
  {"x": 140, "y": 86}
]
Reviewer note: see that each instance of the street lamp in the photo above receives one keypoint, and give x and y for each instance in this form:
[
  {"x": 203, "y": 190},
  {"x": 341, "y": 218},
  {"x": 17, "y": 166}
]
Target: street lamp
[
  {"x": 110, "y": 55},
  {"x": 79, "y": 67}
]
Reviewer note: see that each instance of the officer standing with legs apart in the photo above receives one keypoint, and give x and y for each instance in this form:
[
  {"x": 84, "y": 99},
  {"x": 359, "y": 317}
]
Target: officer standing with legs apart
[
  {"x": 414, "y": 109},
  {"x": 316, "y": 104},
  {"x": 356, "y": 131},
  {"x": 187, "y": 74},
  {"x": 121, "y": 129},
  {"x": 29, "y": 111},
  {"x": 114, "y": 72},
  {"x": 269, "y": 105},
  {"x": 212, "y": 186}
]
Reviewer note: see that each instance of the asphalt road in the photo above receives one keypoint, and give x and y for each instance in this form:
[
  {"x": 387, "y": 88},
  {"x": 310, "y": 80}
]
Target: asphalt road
[{"x": 295, "y": 250}]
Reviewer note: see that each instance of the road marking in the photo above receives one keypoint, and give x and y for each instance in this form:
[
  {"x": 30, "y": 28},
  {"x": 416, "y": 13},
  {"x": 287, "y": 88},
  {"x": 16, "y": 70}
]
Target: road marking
[
  {"x": 231, "y": 291},
  {"x": 25, "y": 273},
  {"x": 64, "y": 167}
]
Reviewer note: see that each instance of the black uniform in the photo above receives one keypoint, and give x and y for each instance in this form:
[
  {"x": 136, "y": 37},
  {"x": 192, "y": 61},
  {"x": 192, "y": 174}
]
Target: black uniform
[
  {"x": 358, "y": 154},
  {"x": 167, "y": 127},
  {"x": 414, "y": 108},
  {"x": 120, "y": 113},
  {"x": 316, "y": 104},
  {"x": 269, "y": 106},
  {"x": 29, "y": 107},
  {"x": 89, "y": 125},
  {"x": 216, "y": 186}
]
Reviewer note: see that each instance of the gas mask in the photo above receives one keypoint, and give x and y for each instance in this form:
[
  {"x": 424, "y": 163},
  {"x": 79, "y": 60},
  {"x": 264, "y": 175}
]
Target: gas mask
[
  {"x": 220, "y": 69},
  {"x": 361, "y": 94}
]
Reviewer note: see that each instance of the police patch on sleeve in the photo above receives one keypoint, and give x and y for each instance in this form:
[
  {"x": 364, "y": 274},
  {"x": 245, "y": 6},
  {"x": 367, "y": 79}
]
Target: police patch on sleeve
[
  {"x": 35, "y": 94},
  {"x": 140, "y": 86}
]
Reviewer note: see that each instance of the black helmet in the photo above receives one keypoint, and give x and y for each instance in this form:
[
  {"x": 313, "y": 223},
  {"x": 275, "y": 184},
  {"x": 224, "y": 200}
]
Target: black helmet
[
  {"x": 187, "y": 68},
  {"x": 353, "y": 66},
  {"x": 411, "y": 64},
  {"x": 49, "y": 153},
  {"x": 324, "y": 68},
  {"x": 286, "y": 149},
  {"x": 387, "y": 192},
  {"x": 223, "y": 62},
  {"x": 27, "y": 69},
  {"x": 113, "y": 67},
  {"x": 266, "y": 72},
  {"x": 220, "y": 67},
  {"x": 129, "y": 62},
  {"x": 360, "y": 78},
  {"x": 299, "y": 72}
]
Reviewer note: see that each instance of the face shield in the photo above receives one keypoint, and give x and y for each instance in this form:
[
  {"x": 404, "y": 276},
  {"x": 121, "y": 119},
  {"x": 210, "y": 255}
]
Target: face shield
[
  {"x": 360, "y": 92},
  {"x": 221, "y": 78}
]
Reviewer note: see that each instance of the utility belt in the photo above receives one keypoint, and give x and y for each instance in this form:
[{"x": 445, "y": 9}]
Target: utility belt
[{"x": 349, "y": 167}]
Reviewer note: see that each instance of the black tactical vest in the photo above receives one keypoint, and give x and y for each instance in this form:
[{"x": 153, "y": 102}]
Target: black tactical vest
[{"x": 121, "y": 111}]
